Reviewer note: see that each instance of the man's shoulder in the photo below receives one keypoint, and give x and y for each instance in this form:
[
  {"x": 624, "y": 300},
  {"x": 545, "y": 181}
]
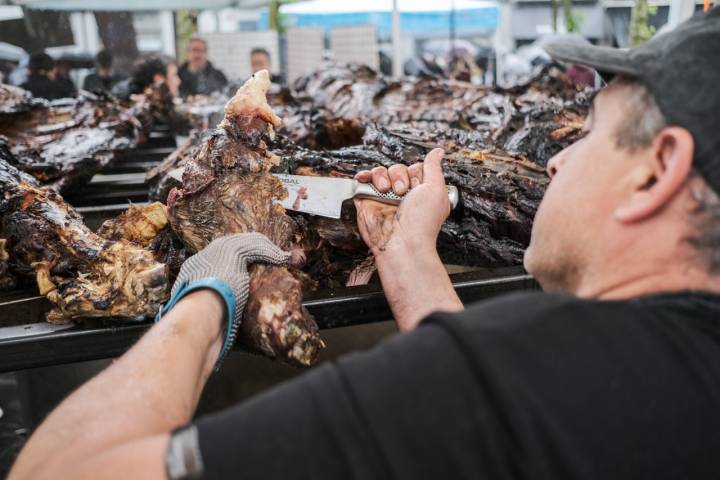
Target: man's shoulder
[
  {"x": 540, "y": 321},
  {"x": 520, "y": 308},
  {"x": 539, "y": 326}
]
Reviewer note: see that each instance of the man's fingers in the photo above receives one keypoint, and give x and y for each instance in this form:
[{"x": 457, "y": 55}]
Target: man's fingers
[
  {"x": 364, "y": 176},
  {"x": 432, "y": 167},
  {"x": 415, "y": 173},
  {"x": 381, "y": 179},
  {"x": 399, "y": 178}
]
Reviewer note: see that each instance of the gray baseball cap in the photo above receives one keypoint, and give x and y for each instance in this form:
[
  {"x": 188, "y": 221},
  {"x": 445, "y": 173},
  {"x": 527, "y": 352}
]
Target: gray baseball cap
[{"x": 681, "y": 68}]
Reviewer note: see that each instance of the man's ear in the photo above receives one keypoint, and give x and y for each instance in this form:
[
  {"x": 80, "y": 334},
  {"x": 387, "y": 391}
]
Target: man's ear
[
  {"x": 667, "y": 170},
  {"x": 157, "y": 78}
]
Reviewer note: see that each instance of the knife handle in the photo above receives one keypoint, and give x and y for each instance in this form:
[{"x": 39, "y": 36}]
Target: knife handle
[{"x": 368, "y": 190}]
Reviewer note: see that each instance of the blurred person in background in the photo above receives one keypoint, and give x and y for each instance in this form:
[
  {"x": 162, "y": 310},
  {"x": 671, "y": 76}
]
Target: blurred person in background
[
  {"x": 260, "y": 60},
  {"x": 41, "y": 79},
  {"x": 149, "y": 71},
  {"x": 5, "y": 68},
  {"x": 62, "y": 77},
  {"x": 103, "y": 78},
  {"x": 198, "y": 75}
]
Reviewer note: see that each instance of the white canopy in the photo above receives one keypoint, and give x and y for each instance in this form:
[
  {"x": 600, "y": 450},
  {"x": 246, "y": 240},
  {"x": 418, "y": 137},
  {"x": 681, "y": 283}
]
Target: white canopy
[{"x": 334, "y": 6}]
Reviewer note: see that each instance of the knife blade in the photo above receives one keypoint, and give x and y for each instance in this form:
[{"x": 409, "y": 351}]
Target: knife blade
[{"x": 324, "y": 196}]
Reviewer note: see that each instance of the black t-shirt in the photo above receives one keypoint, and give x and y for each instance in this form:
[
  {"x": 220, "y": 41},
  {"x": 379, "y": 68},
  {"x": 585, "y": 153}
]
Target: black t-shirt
[{"x": 530, "y": 386}]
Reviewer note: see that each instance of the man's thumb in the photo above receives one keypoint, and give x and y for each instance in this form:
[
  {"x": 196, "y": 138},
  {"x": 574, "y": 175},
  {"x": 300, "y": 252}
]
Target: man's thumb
[{"x": 432, "y": 167}]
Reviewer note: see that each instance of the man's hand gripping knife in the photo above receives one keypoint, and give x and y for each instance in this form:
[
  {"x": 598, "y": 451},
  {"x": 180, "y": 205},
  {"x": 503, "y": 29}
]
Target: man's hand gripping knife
[
  {"x": 403, "y": 238},
  {"x": 222, "y": 268}
]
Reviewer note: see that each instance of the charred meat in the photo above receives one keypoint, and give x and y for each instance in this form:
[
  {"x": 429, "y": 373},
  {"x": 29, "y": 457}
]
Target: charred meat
[
  {"x": 227, "y": 188},
  {"x": 80, "y": 272},
  {"x": 66, "y": 142},
  {"x": 497, "y": 142}
]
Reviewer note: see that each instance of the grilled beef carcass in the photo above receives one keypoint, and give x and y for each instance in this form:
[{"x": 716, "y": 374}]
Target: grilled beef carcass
[
  {"x": 16, "y": 100},
  {"x": 80, "y": 272},
  {"x": 65, "y": 142},
  {"x": 227, "y": 188},
  {"x": 497, "y": 142},
  {"x": 333, "y": 106}
]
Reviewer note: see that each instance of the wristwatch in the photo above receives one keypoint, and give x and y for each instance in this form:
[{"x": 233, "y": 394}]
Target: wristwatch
[{"x": 183, "y": 460}]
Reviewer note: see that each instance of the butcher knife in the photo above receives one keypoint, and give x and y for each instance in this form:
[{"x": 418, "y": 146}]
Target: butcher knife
[{"x": 324, "y": 196}]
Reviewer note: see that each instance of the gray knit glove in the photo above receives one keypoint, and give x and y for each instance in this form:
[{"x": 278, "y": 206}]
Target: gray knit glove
[{"x": 222, "y": 266}]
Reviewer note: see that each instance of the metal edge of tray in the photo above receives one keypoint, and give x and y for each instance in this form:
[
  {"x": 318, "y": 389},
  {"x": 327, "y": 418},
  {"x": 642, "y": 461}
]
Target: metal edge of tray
[{"x": 40, "y": 344}]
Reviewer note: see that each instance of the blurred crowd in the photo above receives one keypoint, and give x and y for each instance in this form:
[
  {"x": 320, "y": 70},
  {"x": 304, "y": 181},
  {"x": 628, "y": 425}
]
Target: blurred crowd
[
  {"x": 50, "y": 79},
  {"x": 461, "y": 60}
]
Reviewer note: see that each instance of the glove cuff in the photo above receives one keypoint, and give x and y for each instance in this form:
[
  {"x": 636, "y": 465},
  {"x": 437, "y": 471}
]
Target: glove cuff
[{"x": 225, "y": 292}]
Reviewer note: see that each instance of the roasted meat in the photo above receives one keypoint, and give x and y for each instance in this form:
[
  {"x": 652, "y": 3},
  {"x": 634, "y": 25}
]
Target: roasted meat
[
  {"x": 333, "y": 107},
  {"x": 499, "y": 194},
  {"x": 80, "y": 272},
  {"x": 227, "y": 188},
  {"x": 15, "y": 100},
  {"x": 66, "y": 142},
  {"x": 497, "y": 142}
]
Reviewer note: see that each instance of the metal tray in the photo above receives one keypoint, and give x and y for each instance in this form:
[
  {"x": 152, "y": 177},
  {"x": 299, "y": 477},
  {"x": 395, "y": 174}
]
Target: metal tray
[
  {"x": 120, "y": 183},
  {"x": 27, "y": 341}
]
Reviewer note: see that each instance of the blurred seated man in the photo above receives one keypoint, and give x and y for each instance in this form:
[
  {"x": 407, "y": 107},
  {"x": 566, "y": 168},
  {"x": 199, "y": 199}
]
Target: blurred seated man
[
  {"x": 41, "y": 80},
  {"x": 149, "y": 71},
  {"x": 102, "y": 78},
  {"x": 260, "y": 60},
  {"x": 198, "y": 75},
  {"x": 62, "y": 78},
  {"x": 5, "y": 69}
]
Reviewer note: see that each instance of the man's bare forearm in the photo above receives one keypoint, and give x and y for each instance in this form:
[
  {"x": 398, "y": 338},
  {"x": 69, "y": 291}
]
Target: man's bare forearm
[
  {"x": 415, "y": 283},
  {"x": 151, "y": 390}
]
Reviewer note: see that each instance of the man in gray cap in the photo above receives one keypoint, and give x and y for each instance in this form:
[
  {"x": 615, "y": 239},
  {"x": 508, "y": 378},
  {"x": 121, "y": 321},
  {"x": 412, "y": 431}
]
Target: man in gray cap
[{"x": 613, "y": 373}]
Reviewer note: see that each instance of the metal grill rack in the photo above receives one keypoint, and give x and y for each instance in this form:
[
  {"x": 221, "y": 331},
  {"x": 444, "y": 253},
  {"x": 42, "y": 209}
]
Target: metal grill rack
[{"x": 27, "y": 341}]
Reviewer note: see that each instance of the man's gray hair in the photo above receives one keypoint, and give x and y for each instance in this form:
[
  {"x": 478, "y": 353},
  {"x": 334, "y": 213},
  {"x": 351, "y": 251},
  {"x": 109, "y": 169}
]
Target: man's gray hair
[{"x": 642, "y": 122}]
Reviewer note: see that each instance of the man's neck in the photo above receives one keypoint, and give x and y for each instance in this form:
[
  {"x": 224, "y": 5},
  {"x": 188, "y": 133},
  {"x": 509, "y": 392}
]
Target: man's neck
[{"x": 654, "y": 279}]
